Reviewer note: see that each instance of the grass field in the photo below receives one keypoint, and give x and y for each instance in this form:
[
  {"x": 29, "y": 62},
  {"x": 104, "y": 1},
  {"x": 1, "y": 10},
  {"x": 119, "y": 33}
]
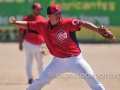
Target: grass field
[{"x": 103, "y": 58}]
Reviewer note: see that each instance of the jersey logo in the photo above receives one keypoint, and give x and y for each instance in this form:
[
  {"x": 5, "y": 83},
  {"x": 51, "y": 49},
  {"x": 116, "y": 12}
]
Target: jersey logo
[
  {"x": 75, "y": 22},
  {"x": 61, "y": 36},
  {"x": 57, "y": 7}
]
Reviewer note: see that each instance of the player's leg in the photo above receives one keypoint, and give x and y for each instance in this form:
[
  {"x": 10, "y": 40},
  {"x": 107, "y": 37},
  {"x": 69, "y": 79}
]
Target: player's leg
[
  {"x": 39, "y": 59},
  {"x": 29, "y": 60},
  {"x": 79, "y": 66},
  {"x": 48, "y": 74}
]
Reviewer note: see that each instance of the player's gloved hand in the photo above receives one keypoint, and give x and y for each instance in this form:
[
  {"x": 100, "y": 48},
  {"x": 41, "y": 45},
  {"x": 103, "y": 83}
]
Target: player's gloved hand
[
  {"x": 44, "y": 50},
  {"x": 12, "y": 19},
  {"x": 105, "y": 32}
]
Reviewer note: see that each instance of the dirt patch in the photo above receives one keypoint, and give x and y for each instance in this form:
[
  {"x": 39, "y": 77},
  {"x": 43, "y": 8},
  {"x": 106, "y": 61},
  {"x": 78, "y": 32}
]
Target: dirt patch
[{"x": 103, "y": 58}]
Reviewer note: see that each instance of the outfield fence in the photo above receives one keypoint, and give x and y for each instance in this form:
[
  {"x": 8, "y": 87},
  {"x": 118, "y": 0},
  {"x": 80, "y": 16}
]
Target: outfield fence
[{"x": 99, "y": 12}]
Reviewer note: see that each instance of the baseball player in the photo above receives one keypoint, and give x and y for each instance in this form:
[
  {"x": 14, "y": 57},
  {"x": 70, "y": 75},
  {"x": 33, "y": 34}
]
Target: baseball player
[
  {"x": 59, "y": 34},
  {"x": 32, "y": 42}
]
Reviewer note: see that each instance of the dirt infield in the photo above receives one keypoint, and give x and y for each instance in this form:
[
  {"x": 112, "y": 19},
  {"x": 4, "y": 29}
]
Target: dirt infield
[{"x": 104, "y": 60}]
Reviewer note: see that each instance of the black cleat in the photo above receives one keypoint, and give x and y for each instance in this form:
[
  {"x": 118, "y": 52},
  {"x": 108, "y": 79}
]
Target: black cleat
[{"x": 30, "y": 81}]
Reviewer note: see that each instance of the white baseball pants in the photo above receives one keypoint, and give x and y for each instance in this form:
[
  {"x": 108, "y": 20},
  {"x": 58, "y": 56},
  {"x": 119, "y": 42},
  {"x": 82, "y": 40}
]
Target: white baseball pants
[
  {"x": 31, "y": 51},
  {"x": 75, "y": 64}
]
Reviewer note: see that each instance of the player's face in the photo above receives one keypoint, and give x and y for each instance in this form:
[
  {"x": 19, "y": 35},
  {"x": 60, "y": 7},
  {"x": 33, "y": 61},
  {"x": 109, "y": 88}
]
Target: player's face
[
  {"x": 36, "y": 11},
  {"x": 55, "y": 18}
]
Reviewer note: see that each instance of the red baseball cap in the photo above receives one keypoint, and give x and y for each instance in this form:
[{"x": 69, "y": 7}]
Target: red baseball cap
[
  {"x": 53, "y": 9},
  {"x": 36, "y": 6}
]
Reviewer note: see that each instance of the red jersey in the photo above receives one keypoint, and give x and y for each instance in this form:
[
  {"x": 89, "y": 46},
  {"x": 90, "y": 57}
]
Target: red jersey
[
  {"x": 32, "y": 37},
  {"x": 61, "y": 39}
]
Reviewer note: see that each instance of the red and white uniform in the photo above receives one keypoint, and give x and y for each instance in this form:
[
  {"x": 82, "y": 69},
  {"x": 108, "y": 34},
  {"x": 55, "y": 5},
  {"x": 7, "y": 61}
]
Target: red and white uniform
[
  {"x": 61, "y": 38},
  {"x": 62, "y": 44},
  {"x": 32, "y": 38},
  {"x": 32, "y": 44}
]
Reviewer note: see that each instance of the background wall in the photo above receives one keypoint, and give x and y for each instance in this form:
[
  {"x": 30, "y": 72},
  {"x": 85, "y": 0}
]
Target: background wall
[{"x": 99, "y": 12}]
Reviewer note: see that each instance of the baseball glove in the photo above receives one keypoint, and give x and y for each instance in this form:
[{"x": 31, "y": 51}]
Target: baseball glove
[
  {"x": 44, "y": 50},
  {"x": 105, "y": 32}
]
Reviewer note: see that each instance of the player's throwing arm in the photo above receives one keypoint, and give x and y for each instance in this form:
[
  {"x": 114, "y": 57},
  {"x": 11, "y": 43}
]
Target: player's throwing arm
[
  {"x": 102, "y": 30},
  {"x": 22, "y": 24}
]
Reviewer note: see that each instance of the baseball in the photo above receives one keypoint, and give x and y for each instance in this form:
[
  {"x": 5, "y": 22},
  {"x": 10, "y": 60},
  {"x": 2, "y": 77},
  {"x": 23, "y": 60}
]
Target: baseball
[{"x": 12, "y": 19}]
